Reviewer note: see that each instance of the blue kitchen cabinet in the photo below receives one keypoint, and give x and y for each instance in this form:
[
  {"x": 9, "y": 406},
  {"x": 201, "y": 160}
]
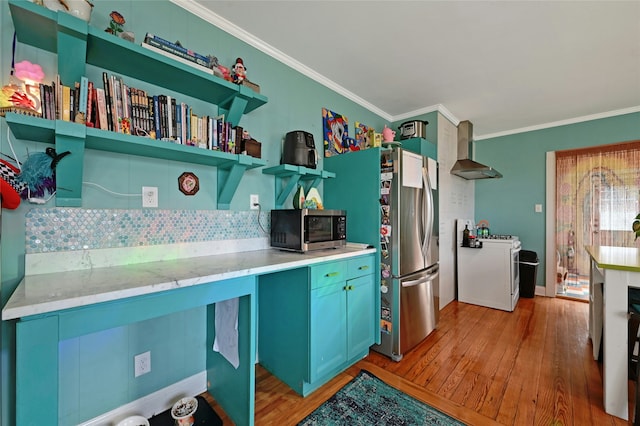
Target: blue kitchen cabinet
[
  {"x": 315, "y": 322},
  {"x": 356, "y": 189},
  {"x": 360, "y": 309}
]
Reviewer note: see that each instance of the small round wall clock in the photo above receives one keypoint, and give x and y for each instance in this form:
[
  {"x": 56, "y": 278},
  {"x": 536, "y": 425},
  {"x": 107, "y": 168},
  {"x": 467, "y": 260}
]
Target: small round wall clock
[{"x": 188, "y": 183}]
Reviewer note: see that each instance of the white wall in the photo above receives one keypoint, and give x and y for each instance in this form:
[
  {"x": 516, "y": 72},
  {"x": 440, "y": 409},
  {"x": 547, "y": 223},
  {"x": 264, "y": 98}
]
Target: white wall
[{"x": 455, "y": 201}]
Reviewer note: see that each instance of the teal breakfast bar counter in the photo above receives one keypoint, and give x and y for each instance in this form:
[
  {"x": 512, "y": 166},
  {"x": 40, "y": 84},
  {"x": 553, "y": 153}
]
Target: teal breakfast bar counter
[
  {"x": 616, "y": 269},
  {"x": 70, "y": 294}
]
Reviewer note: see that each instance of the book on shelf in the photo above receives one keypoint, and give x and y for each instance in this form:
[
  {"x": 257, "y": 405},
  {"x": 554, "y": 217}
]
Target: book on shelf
[
  {"x": 157, "y": 116},
  {"x": 177, "y": 58},
  {"x": 174, "y": 119},
  {"x": 134, "y": 109},
  {"x": 210, "y": 132},
  {"x": 58, "y": 97},
  {"x": 75, "y": 95},
  {"x": 42, "y": 108},
  {"x": 66, "y": 103},
  {"x": 108, "y": 101},
  {"x": 115, "y": 83},
  {"x": 126, "y": 101},
  {"x": 155, "y": 40},
  {"x": 151, "y": 120},
  {"x": 84, "y": 94},
  {"x": 179, "y": 53},
  {"x": 102, "y": 121},
  {"x": 90, "y": 113}
]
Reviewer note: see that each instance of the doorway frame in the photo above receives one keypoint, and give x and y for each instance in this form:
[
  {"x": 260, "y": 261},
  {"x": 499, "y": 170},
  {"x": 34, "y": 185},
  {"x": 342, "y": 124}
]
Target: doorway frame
[{"x": 550, "y": 218}]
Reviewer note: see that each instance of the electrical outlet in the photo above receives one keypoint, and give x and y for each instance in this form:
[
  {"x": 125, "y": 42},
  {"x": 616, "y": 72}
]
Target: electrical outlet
[
  {"x": 142, "y": 364},
  {"x": 149, "y": 196},
  {"x": 254, "y": 202}
]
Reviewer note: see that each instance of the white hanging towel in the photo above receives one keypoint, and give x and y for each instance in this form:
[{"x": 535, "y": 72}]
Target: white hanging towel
[{"x": 226, "y": 329}]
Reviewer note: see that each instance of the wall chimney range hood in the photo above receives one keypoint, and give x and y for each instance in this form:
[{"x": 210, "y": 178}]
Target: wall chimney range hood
[{"x": 465, "y": 167}]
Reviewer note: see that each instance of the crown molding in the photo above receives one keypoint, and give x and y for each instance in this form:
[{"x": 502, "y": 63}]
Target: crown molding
[
  {"x": 575, "y": 120},
  {"x": 439, "y": 108},
  {"x": 237, "y": 32},
  {"x": 250, "y": 39}
]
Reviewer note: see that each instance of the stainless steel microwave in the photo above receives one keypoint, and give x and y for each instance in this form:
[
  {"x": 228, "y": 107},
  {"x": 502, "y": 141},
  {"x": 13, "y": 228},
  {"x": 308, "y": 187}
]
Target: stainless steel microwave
[{"x": 308, "y": 229}]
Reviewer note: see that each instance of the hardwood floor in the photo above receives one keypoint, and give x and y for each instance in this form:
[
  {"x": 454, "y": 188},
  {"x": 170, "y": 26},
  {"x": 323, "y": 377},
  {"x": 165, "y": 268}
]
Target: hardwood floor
[{"x": 483, "y": 366}]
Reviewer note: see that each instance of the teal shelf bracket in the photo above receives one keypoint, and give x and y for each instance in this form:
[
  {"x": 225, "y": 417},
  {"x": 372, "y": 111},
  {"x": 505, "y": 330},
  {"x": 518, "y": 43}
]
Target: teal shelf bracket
[
  {"x": 242, "y": 101},
  {"x": 313, "y": 178},
  {"x": 236, "y": 110},
  {"x": 287, "y": 185},
  {"x": 69, "y": 137},
  {"x": 229, "y": 177},
  {"x": 287, "y": 177}
]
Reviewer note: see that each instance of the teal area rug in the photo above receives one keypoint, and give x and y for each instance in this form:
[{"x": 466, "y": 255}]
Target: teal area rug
[{"x": 367, "y": 400}]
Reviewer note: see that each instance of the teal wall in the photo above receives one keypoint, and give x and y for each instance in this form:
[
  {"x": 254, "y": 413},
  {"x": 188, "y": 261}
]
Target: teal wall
[
  {"x": 508, "y": 203},
  {"x": 295, "y": 102}
]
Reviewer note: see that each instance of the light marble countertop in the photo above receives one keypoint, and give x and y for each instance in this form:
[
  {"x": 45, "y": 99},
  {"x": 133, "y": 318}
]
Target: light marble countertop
[
  {"x": 45, "y": 291},
  {"x": 620, "y": 258}
]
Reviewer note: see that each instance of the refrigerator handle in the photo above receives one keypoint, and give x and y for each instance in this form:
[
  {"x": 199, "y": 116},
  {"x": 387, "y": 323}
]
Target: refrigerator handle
[
  {"x": 429, "y": 277},
  {"x": 427, "y": 212}
]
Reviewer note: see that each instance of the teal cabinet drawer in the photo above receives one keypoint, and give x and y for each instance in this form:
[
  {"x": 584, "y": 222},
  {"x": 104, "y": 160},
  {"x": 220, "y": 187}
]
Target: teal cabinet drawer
[
  {"x": 328, "y": 273},
  {"x": 360, "y": 266}
]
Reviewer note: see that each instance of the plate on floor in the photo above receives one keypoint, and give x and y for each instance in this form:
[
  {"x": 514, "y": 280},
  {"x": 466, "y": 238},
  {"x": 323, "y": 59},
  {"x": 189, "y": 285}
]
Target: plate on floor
[{"x": 134, "y": 421}]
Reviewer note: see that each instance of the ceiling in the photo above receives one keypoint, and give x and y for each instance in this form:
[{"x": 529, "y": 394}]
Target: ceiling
[{"x": 505, "y": 66}]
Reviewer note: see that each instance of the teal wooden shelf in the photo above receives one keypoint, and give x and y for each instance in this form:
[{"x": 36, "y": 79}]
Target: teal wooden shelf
[
  {"x": 76, "y": 138},
  {"x": 288, "y": 176},
  {"x": 140, "y": 63},
  {"x": 35, "y": 25},
  {"x": 77, "y": 44},
  {"x": 32, "y": 128},
  {"x": 43, "y": 28}
]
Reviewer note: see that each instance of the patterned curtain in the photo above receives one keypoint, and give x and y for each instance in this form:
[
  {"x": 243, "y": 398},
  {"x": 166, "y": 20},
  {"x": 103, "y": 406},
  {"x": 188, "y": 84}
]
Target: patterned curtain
[{"x": 598, "y": 196}]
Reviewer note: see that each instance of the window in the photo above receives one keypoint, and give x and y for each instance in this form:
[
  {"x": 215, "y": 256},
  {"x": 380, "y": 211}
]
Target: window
[{"x": 618, "y": 207}]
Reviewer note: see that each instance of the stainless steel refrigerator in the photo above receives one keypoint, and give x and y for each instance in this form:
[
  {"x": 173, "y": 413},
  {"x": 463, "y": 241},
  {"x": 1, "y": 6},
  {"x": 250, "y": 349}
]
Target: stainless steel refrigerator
[{"x": 409, "y": 272}]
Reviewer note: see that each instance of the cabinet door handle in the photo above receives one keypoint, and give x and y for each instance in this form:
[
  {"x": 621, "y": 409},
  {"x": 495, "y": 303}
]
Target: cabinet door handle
[
  {"x": 363, "y": 268},
  {"x": 332, "y": 274}
]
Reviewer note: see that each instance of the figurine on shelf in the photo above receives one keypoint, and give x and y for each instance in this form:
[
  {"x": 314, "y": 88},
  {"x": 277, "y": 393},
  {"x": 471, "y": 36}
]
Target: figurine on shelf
[
  {"x": 125, "y": 123},
  {"x": 214, "y": 64},
  {"x": 80, "y": 118},
  {"x": 239, "y": 71},
  {"x": 226, "y": 72},
  {"x": 388, "y": 134},
  {"x": 117, "y": 21}
]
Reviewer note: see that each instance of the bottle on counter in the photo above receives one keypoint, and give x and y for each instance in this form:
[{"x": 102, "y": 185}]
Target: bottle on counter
[{"x": 465, "y": 236}]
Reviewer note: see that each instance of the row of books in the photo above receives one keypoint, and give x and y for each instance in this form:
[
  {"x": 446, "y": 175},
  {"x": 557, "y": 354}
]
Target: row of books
[
  {"x": 120, "y": 108},
  {"x": 180, "y": 54}
]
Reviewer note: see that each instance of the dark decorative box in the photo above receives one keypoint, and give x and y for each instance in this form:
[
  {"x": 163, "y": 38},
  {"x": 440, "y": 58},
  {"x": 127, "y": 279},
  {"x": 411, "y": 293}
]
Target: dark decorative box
[
  {"x": 251, "y": 85},
  {"x": 252, "y": 147}
]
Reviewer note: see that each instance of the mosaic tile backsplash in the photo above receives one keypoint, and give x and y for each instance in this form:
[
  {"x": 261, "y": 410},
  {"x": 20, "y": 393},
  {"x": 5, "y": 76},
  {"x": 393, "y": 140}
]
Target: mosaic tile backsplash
[{"x": 68, "y": 229}]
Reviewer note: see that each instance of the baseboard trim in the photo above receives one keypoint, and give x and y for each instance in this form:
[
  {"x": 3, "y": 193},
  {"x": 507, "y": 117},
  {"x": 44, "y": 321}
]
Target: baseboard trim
[{"x": 154, "y": 403}]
